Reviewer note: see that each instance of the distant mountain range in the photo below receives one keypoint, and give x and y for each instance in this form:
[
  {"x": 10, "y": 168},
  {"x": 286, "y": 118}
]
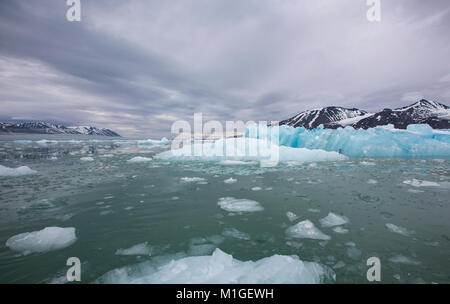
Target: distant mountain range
[
  {"x": 429, "y": 112},
  {"x": 48, "y": 128}
]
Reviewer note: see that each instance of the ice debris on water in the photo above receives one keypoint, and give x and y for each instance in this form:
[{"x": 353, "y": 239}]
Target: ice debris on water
[
  {"x": 192, "y": 179},
  {"x": 20, "y": 171},
  {"x": 48, "y": 239},
  {"x": 234, "y": 233}
]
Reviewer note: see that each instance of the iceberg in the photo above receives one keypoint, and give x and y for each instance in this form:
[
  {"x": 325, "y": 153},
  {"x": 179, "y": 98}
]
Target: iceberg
[
  {"x": 48, "y": 239},
  {"x": 245, "y": 151},
  {"x": 222, "y": 268},
  {"x": 20, "y": 171},
  {"x": 380, "y": 142}
]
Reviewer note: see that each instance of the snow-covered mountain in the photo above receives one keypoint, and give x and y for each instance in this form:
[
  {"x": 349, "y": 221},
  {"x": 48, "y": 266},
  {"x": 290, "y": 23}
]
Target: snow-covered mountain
[
  {"x": 329, "y": 117},
  {"x": 49, "y": 128},
  {"x": 435, "y": 114}
]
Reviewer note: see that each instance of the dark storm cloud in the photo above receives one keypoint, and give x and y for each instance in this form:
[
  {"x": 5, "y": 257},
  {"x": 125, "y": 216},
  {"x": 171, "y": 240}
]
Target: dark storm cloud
[{"x": 137, "y": 66}]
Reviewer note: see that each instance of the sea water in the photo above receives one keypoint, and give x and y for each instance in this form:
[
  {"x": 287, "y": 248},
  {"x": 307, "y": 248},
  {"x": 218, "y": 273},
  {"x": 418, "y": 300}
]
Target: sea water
[{"x": 131, "y": 216}]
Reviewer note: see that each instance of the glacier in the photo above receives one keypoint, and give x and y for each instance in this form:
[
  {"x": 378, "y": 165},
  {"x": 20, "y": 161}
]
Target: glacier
[{"x": 417, "y": 141}]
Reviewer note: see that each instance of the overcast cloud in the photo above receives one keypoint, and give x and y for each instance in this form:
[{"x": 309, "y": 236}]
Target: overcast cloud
[{"x": 136, "y": 66}]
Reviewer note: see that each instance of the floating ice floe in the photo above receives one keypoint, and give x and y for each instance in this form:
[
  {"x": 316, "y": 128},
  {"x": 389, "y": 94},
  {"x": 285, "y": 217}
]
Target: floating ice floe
[
  {"x": 380, "y": 142},
  {"x": 418, "y": 183},
  {"x": 139, "y": 159},
  {"x": 139, "y": 249},
  {"x": 399, "y": 230},
  {"x": 232, "y": 204},
  {"x": 192, "y": 179},
  {"x": 48, "y": 239},
  {"x": 245, "y": 151},
  {"x": 20, "y": 171},
  {"x": 372, "y": 182},
  {"x": 340, "y": 230},
  {"x": 291, "y": 216},
  {"x": 222, "y": 268},
  {"x": 234, "y": 233},
  {"x": 306, "y": 230},
  {"x": 87, "y": 159},
  {"x": 256, "y": 188},
  {"x": 332, "y": 220},
  {"x": 230, "y": 181},
  {"x": 400, "y": 259}
]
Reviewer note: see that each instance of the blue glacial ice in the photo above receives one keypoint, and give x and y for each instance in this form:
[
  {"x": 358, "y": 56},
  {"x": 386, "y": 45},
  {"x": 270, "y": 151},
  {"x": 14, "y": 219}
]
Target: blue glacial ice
[{"x": 418, "y": 141}]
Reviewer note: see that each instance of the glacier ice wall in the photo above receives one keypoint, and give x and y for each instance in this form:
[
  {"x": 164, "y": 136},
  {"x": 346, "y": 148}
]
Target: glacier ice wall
[{"x": 418, "y": 141}]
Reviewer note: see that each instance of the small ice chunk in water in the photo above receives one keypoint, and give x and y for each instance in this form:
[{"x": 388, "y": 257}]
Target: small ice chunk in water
[
  {"x": 192, "y": 179},
  {"x": 372, "y": 182},
  {"x": 232, "y": 204},
  {"x": 256, "y": 189},
  {"x": 400, "y": 259},
  {"x": 233, "y": 232},
  {"x": 332, "y": 220},
  {"x": 398, "y": 229},
  {"x": 230, "y": 181},
  {"x": 291, "y": 216},
  {"x": 418, "y": 183},
  {"x": 87, "y": 159},
  {"x": 139, "y": 159},
  {"x": 139, "y": 249},
  {"x": 222, "y": 268},
  {"x": 24, "y": 170},
  {"x": 313, "y": 210},
  {"x": 306, "y": 230},
  {"x": 48, "y": 239},
  {"x": 340, "y": 230}
]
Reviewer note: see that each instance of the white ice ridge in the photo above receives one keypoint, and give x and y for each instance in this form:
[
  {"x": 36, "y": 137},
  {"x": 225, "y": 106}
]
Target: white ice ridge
[
  {"x": 139, "y": 249},
  {"x": 24, "y": 170},
  {"x": 379, "y": 142},
  {"x": 139, "y": 159},
  {"x": 163, "y": 141},
  {"x": 306, "y": 230},
  {"x": 232, "y": 204},
  {"x": 418, "y": 183},
  {"x": 48, "y": 239},
  {"x": 222, "y": 268},
  {"x": 192, "y": 179},
  {"x": 245, "y": 151},
  {"x": 332, "y": 220}
]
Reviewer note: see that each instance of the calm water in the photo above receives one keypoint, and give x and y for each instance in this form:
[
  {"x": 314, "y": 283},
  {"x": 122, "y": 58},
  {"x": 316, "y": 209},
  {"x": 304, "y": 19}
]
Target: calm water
[{"x": 115, "y": 205}]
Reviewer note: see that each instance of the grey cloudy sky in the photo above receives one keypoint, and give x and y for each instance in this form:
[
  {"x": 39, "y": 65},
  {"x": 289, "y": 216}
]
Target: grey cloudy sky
[{"x": 136, "y": 66}]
